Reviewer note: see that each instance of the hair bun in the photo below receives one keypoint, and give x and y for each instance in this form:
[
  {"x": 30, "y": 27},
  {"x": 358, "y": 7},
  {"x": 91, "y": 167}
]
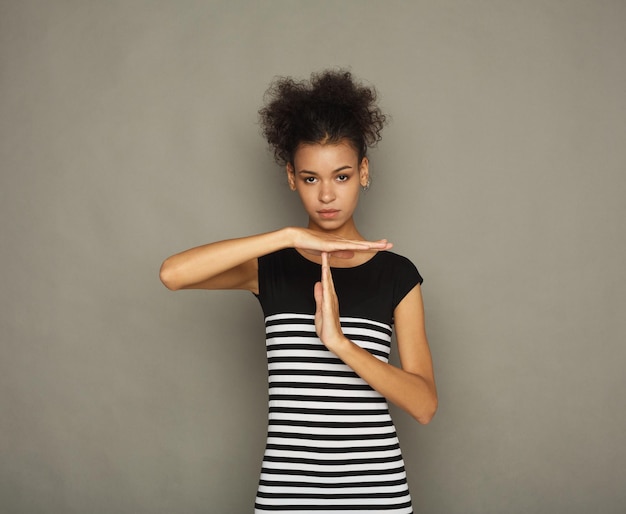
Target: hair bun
[{"x": 329, "y": 107}]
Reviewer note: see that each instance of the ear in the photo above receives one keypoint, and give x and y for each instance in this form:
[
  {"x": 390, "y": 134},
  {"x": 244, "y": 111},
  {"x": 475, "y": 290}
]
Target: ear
[
  {"x": 291, "y": 176},
  {"x": 364, "y": 172}
]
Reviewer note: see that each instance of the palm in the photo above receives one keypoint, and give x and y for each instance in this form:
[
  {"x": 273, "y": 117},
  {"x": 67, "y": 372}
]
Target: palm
[{"x": 327, "y": 323}]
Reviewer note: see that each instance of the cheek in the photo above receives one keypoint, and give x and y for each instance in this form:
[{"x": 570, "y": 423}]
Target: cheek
[
  {"x": 305, "y": 196},
  {"x": 355, "y": 192}
]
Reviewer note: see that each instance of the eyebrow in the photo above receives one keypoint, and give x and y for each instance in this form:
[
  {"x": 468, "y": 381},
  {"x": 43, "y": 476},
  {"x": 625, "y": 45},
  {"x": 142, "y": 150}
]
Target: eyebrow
[{"x": 346, "y": 167}]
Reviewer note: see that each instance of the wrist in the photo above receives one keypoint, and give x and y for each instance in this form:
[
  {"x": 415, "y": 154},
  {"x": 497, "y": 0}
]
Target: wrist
[
  {"x": 340, "y": 345},
  {"x": 290, "y": 237}
]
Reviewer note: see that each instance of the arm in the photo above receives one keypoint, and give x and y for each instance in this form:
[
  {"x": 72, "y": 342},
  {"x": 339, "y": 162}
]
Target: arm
[
  {"x": 412, "y": 388},
  {"x": 232, "y": 264}
]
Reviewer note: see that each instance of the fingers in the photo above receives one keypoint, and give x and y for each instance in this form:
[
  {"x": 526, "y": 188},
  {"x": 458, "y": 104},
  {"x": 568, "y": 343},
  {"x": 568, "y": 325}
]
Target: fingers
[
  {"x": 382, "y": 244},
  {"x": 345, "y": 249},
  {"x": 328, "y": 287},
  {"x": 315, "y": 241},
  {"x": 327, "y": 320},
  {"x": 325, "y": 271},
  {"x": 324, "y": 260},
  {"x": 348, "y": 244}
]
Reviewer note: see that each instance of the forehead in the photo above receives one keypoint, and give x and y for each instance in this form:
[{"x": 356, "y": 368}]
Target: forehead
[{"x": 318, "y": 157}]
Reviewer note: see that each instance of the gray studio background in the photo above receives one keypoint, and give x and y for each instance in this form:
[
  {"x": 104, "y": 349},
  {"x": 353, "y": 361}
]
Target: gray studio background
[{"x": 128, "y": 132}]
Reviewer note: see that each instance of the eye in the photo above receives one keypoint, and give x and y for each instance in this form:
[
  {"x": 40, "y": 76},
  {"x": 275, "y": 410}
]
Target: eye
[
  {"x": 342, "y": 178},
  {"x": 310, "y": 180}
]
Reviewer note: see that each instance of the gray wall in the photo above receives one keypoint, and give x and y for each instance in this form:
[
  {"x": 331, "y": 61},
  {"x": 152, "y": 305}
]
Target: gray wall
[{"x": 128, "y": 132}]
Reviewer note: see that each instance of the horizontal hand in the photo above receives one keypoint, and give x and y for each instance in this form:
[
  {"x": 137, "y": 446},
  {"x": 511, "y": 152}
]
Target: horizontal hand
[{"x": 315, "y": 242}]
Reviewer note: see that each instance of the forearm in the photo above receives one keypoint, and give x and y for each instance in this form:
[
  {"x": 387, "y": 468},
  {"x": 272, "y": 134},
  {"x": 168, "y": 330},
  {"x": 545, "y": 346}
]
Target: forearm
[
  {"x": 411, "y": 392},
  {"x": 202, "y": 263},
  {"x": 228, "y": 264}
]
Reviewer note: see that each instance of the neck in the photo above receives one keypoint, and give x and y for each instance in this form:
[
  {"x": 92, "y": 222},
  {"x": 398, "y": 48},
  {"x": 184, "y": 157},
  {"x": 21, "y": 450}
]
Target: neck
[{"x": 347, "y": 231}]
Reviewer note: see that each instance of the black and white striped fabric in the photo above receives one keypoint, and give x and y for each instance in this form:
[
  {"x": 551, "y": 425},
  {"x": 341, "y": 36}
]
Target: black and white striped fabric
[{"x": 331, "y": 444}]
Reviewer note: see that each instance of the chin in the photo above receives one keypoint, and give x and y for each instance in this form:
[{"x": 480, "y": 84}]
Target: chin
[{"x": 330, "y": 224}]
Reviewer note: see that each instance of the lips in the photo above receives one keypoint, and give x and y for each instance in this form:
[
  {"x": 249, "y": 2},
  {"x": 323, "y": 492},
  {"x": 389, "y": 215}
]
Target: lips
[{"x": 328, "y": 213}]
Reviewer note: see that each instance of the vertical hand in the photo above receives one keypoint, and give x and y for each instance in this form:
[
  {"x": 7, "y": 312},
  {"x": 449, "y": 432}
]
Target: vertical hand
[{"x": 327, "y": 322}]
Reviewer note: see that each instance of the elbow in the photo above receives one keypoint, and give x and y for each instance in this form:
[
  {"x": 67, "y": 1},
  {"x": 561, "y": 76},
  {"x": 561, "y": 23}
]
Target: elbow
[
  {"x": 168, "y": 276},
  {"x": 426, "y": 412}
]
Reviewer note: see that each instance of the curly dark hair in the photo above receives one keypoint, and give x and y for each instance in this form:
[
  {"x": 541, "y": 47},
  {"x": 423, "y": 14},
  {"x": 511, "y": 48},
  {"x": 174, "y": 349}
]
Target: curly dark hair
[{"x": 328, "y": 108}]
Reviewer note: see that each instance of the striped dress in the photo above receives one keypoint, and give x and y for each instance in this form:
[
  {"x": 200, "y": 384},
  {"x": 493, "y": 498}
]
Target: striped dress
[{"x": 331, "y": 443}]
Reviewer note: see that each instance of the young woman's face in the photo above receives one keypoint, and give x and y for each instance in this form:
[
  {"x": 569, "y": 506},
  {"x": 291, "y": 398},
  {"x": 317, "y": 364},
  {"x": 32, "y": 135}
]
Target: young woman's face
[{"x": 328, "y": 178}]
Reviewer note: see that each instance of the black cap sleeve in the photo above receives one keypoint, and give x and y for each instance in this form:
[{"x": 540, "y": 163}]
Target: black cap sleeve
[{"x": 405, "y": 279}]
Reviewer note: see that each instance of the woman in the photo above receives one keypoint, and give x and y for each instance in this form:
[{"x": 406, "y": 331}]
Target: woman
[{"x": 330, "y": 298}]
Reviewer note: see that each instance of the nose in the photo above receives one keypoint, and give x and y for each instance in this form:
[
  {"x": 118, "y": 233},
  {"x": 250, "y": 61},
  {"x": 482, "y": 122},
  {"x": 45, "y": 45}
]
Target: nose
[{"x": 326, "y": 192}]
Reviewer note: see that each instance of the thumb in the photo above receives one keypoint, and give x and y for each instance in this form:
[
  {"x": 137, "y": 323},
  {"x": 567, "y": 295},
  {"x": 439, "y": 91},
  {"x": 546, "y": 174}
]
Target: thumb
[{"x": 319, "y": 296}]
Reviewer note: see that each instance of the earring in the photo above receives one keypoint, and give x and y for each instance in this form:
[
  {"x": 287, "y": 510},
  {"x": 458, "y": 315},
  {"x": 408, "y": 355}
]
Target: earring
[{"x": 366, "y": 186}]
